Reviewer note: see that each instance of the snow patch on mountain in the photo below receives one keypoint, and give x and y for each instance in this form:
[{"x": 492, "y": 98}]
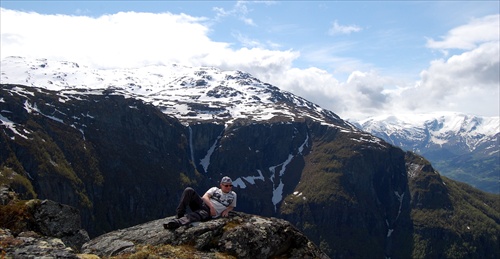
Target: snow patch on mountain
[
  {"x": 190, "y": 94},
  {"x": 11, "y": 125}
]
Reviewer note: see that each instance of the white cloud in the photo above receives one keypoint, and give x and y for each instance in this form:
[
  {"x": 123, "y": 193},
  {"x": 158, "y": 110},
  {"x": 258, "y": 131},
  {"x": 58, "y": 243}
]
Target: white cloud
[
  {"x": 362, "y": 94},
  {"x": 117, "y": 40},
  {"x": 128, "y": 40},
  {"x": 260, "y": 62},
  {"x": 343, "y": 29},
  {"x": 468, "y": 36},
  {"x": 467, "y": 82}
]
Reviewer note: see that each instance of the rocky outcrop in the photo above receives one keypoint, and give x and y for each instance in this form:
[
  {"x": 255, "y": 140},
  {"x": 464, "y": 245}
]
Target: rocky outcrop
[
  {"x": 240, "y": 235},
  {"x": 38, "y": 227}
]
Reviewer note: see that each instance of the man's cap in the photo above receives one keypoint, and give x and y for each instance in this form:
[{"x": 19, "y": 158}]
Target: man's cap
[{"x": 226, "y": 179}]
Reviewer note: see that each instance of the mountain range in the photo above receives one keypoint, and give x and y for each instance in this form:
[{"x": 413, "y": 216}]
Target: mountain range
[
  {"x": 121, "y": 145},
  {"x": 460, "y": 146},
  {"x": 463, "y": 147},
  {"x": 189, "y": 94}
]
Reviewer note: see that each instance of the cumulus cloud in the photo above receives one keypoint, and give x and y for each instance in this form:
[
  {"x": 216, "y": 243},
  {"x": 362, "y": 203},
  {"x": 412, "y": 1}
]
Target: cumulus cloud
[
  {"x": 361, "y": 95},
  {"x": 122, "y": 39},
  {"x": 468, "y": 82},
  {"x": 131, "y": 39},
  {"x": 126, "y": 40},
  {"x": 468, "y": 36}
]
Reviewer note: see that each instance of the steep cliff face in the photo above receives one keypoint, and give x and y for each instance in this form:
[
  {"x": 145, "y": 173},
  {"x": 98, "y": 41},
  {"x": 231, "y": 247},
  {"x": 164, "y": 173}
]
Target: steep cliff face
[
  {"x": 264, "y": 159},
  {"x": 119, "y": 161},
  {"x": 450, "y": 219},
  {"x": 123, "y": 162},
  {"x": 340, "y": 187},
  {"x": 353, "y": 189},
  {"x": 143, "y": 159}
]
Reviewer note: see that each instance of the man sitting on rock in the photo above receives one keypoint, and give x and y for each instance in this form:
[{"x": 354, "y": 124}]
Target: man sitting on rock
[{"x": 215, "y": 202}]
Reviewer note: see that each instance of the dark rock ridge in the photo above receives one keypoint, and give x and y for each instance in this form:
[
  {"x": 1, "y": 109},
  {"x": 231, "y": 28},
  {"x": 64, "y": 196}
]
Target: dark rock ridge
[
  {"x": 238, "y": 236},
  {"x": 37, "y": 228},
  {"x": 123, "y": 162}
]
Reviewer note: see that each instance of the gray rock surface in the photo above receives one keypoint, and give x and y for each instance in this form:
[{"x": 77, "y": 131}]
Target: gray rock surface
[
  {"x": 32, "y": 245},
  {"x": 240, "y": 235},
  {"x": 52, "y": 230}
]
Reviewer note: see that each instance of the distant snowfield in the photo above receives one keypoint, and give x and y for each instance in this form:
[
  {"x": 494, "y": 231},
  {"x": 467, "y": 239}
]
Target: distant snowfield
[
  {"x": 447, "y": 121},
  {"x": 437, "y": 128},
  {"x": 187, "y": 93}
]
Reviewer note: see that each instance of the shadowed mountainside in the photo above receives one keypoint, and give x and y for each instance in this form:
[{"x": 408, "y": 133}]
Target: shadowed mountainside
[{"x": 122, "y": 162}]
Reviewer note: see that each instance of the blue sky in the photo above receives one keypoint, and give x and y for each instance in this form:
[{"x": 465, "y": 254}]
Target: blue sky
[{"x": 356, "y": 58}]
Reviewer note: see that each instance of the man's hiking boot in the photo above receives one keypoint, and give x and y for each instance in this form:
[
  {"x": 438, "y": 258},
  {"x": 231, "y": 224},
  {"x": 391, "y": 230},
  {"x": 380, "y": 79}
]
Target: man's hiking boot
[
  {"x": 171, "y": 224},
  {"x": 180, "y": 213}
]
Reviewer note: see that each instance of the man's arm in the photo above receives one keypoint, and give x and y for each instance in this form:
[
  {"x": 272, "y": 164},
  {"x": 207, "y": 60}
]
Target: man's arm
[
  {"x": 225, "y": 213},
  {"x": 206, "y": 199}
]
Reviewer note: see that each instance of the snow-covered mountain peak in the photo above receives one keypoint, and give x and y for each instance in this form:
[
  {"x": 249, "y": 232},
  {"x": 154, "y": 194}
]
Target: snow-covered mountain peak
[
  {"x": 416, "y": 131},
  {"x": 188, "y": 93},
  {"x": 437, "y": 122}
]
